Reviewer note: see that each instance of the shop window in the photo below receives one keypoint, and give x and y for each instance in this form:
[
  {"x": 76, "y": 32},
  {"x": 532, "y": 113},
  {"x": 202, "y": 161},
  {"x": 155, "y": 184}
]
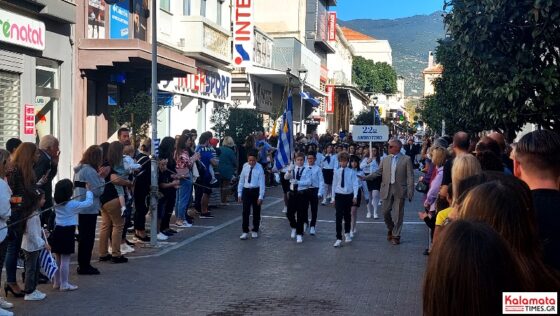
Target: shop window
[
  {"x": 47, "y": 97},
  {"x": 203, "y": 8},
  {"x": 9, "y": 99},
  {"x": 186, "y": 7},
  {"x": 165, "y": 5}
]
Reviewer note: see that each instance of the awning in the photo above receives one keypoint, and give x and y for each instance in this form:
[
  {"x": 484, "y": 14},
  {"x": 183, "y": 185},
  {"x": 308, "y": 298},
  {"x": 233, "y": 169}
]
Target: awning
[
  {"x": 279, "y": 78},
  {"x": 94, "y": 54}
]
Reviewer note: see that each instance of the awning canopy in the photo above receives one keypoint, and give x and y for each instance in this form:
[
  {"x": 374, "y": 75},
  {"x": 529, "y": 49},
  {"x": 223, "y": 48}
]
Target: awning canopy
[
  {"x": 95, "y": 54},
  {"x": 279, "y": 78}
]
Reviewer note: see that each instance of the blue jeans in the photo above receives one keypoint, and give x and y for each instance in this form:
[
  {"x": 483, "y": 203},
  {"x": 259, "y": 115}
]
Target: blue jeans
[
  {"x": 184, "y": 197},
  {"x": 12, "y": 255}
]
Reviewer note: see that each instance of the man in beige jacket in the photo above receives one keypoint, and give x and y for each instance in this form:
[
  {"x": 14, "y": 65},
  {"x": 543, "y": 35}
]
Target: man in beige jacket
[{"x": 397, "y": 184}]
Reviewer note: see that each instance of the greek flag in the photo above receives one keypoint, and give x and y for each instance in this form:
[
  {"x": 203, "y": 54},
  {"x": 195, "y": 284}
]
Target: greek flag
[
  {"x": 285, "y": 139},
  {"x": 377, "y": 117},
  {"x": 308, "y": 97},
  {"x": 47, "y": 263}
]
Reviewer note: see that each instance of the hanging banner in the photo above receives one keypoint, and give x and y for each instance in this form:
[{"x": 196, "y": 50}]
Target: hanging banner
[
  {"x": 118, "y": 19},
  {"x": 332, "y": 26},
  {"x": 330, "y": 99},
  {"x": 96, "y": 19},
  {"x": 243, "y": 33}
]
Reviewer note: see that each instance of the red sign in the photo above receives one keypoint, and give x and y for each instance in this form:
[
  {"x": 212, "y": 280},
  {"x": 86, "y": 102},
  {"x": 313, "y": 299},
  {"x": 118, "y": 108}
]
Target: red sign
[
  {"x": 29, "y": 120},
  {"x": 332, "y": 26},
  {"x": 330, "y": 99}
]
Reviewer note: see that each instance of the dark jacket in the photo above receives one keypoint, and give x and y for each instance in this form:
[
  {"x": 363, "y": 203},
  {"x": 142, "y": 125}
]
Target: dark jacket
[{"x": 45, "y": 166}]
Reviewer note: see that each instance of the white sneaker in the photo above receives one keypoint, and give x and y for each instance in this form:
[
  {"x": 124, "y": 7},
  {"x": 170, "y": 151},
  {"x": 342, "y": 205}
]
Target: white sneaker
[
  {"x": 285, "y": 209},
  {"x": 324, "y": 202},
  {"x": 126, "y": 249},
  {"x": 368, "y": 215},
  {"x": 347, "y": 238},
  {"x": 35, "y": 296},
  {"x": 5, "y": 304},
  {"x": 162, "y": 237},
  {"x": 351, "y": 235},
  {"x": 254, "y": 235},
  {"x": 299, "y": 239},
  {"x": 68, "y": 287},
  {"x": 4, "y": 312},
  {"x": 375, "y": 216},
  {"x": 293, "y": 234},
  {"x": 338, "y": 243},
  {"x": 244, "y": 236},
  {"x": 312, "y": 231}
]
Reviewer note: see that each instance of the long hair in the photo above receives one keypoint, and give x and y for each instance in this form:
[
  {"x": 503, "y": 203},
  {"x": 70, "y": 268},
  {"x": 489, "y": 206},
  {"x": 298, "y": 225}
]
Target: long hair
[
  {"x": 463, "y": 166},
  {"x": 470, "y": 269},
  {"x": 30, "y": 204},
  {"x": 4, "y": 156},
  {"x": 93, "y": 156},
  {"x": 181, "y": 145},
  {"x": 114, "y": 154},
  {"x": 23, "y": 160},
  {"x": 507, "y": 205},
  {"x": 166, "y": 148}
]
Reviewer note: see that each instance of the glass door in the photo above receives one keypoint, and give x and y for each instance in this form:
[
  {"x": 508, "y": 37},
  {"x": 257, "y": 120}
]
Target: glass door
[{"x": 47, "y": 99}]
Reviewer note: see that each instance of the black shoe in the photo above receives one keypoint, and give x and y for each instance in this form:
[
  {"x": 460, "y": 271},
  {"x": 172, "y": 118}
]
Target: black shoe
[
  {"x": 120, "y": 259},
  {"x": 87, "y": 271},
  {"x": 105, "y": 258},
  {"x": 130, "y": 243},
  {"x": 144, "y": 239},
  {"x": 206, "y": 215},
  {"x": 167, "y": 233},
  {"x": 171, "y": 231}
]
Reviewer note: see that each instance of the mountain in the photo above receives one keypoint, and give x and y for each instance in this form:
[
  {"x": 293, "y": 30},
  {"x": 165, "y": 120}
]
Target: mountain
[{"x": 411, "y": 39}]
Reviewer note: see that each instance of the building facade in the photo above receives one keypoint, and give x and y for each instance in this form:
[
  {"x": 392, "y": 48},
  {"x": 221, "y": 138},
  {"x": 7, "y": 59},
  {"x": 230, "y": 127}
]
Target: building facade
[
  {"x": 369, "y": 47},
  {"x": 431, "y": 73}
]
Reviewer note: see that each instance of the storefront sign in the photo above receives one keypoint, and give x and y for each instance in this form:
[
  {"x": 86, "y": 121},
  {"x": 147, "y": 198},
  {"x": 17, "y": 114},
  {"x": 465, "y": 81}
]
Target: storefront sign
[
  {"x": 209, "y": 84},
  {"x": 370, "y": 133},
  {"x": 29, "y": 119},
  {"x": 118, "y": 19},
  {"x": 22, "y": 31},
  {"x": 332, "y": 26},
  {"x": 243, "y": 33},
  {"x": 262, "y": 92},
  {"x": 330, "y": 99}
]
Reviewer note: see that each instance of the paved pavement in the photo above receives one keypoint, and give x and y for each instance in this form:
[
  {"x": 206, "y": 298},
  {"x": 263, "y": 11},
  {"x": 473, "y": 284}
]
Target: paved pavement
[{"x": 207, "y": 270}]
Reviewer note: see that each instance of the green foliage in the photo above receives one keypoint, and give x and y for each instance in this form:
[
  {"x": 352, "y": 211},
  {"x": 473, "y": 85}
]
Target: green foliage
[
  {"x": 134, "y": 114},
  {"x": 365, "y": 117},
  {"x": 507, "y": 64},
  {"x": 235, "y": 122},
  {"x": 374, "y": 77},
  {"x": 219, "y": 118}
]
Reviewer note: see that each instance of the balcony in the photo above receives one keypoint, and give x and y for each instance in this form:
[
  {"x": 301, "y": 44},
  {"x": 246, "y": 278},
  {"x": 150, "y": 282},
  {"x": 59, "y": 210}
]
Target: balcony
[
  {"x": 290, "y": 53},
  {"x": 198, "y": 37}
]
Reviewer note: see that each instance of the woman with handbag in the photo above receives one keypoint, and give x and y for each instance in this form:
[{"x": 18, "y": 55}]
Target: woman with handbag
[{"x": 185, "y": 158}]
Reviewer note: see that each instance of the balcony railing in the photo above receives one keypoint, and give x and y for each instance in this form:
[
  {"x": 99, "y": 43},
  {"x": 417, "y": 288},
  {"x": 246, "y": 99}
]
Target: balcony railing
[{"x": 199, "y": 36}]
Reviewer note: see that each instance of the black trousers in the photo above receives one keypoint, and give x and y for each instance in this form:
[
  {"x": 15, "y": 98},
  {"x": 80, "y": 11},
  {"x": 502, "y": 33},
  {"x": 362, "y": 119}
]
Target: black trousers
[
  {"x": 165, "y": 210},
  {"x": 313, "y": 201},
  {"x": 297, "y": 206},
  {"x": 343, "y": 205},
  {"x": 86, "y": 225},
  {"x": 141, "y": 209},
  {"x": 250, "y": 198}
]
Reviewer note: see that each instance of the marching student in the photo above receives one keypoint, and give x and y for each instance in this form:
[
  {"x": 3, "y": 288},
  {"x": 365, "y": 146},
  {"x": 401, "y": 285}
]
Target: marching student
[
  {"x": 250, "y": 190},
  {"x": 300, "y": 180},
  {"x": 370, "y": 164},
  {"x": 315, "y": 191},
  {"x": 355, "y": 165},
  {"x": 329, "y": 164},
  {"x": 345, "y": 193}
]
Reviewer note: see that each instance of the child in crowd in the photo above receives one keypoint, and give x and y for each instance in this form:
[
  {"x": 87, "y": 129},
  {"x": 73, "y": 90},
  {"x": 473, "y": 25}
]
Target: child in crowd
[
  {"x": 32, "y": 244},
  {"x": 355, "y": 166},
  {"x": 65, "y": 226},
  {"x": 250, "y": 190},
  {"x": 300, "y": 181},
  {"x": 315, "y": 191},
  {"x": 125, "y": 169},
  {"x": 328, "y": 165},
  {"x": 345, "y": 189}
]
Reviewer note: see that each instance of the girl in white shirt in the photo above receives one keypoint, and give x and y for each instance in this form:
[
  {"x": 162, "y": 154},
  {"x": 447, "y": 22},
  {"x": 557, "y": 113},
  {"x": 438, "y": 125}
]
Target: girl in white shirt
[
  {"x": 355, "y": 165},
  {"x": 370, "y": 164},
  {"x": 328, "y": 165}
]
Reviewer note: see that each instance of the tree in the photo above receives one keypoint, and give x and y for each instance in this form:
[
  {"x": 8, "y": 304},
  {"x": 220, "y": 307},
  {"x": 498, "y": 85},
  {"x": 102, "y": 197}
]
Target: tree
[
  {"x": 509, "y": 61},
  {"x": 134, "y": 114},
  {"x": 365, "y": 117},
  {"x": 374, "y": 77},
  {"x": 235, "y": 122},
  {"x": 219, "y": 118}
]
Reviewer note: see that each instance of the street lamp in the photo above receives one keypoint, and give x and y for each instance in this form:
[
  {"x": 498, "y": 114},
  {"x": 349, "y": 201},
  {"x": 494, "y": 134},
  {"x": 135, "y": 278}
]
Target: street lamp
[
  {"x": 373, "y": 103},
  {"x": 302, "y": 76}
]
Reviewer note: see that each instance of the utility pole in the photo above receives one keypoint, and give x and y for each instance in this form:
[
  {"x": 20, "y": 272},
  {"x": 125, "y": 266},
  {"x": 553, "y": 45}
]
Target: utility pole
[{"x": 154, "y": 170}]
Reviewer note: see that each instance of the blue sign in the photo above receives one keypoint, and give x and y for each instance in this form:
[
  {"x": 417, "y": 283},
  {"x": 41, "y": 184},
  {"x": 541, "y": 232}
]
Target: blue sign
[{"x": 118, "y": 20}]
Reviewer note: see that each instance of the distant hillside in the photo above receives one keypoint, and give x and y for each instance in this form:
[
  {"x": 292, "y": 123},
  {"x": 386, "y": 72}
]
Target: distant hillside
[{"x": 411, "y": 39}]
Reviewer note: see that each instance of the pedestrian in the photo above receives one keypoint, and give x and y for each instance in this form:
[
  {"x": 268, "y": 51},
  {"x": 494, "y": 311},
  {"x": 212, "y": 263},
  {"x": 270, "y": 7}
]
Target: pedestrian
[
  {"x": 141, "y": 189},
  {"x": 5, "y": 212},
  {"x": 464, "y": 166},
  {"x": 345, "y": 189},
  {"x": 66, "y": 220},
  {"x": 168, "y": 182},
  {"x": 185, "y": 159},
  {"x": 328, "y": 165},
  {"x": 46, "y": 169},
  {"x": 315, "y": 191},
  {"x": 203, "y": 189},
  {"x": 12, "y": 144},
  {"x": 227, "y": 167},
  {"x": 370, "y": 163},
  {"x": 32, "y": 243},
  {"x": 251, "y": 189},
  {"x": 89, "y": 172},
  {"x": 397, "y": 184},
  {"x": 300, "y": 181},
  {"x": 460, "y": 146}
]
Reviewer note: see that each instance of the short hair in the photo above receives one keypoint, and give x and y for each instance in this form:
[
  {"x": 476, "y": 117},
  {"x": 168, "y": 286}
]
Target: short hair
[
  {"x": 204, "y": 137},
  {"x": 438, "y": 156},
  {"x": 128, "y": 150},
  {"x": 489, "y": 160},
  {"x": 122, "y": 130},
  {"x": 343, "y": 156},
  {"x": 228, "y": 141},
  {"x": 12, "y": 144},
  {"x": 47, "y": 141},
  {"x": 539, "y": 153},
  {"x": 461, "y": 140},
  {"x": 63, "y": 191},
  {"x": 487, "y": 143},
  {"x": 146, "y": 143},
  {"x": 300, "y": 155},
  {"x": 252, "y": 153},
  {"x": 312, "y": 153},
  {"x": 396, "y": 141}
]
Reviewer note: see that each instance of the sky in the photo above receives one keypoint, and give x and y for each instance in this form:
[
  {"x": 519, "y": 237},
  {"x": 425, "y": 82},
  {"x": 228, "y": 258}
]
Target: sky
[{"x": 385, "y": 9}]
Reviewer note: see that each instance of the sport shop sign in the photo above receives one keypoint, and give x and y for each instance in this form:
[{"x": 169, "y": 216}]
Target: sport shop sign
[
  {"x": 22, "y": 31},
  {"x": 243, "y": 33},
  {"x": 214, "y": 85}
]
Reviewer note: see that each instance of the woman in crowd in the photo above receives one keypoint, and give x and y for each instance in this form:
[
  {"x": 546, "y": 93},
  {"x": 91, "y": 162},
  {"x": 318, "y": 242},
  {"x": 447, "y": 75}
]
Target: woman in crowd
[
  {"x": 467, "y": 273},
  {"x": 89, "y": 172},
  {"x": 112, "y": 222},
  {"x": 227, "y": 167},
  {"x": 185, "y": 158},
  {"x": 21, "y": 179},
  {"x": 506, "y": 205},
  {"x": 142, "y": 184},
  {"x": 464, "y": 166},
  {"x": 168, "y": 185}
]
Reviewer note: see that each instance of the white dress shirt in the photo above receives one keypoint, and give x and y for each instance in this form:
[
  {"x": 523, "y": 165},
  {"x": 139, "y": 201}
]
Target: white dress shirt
[
  {"x": 331, "y": 164},
  {"x": 317, "y": 179},
  {"x": 304, "y": 181},
  {"x": 257, "y": 179},
  {"x": 351, "y": 183},
  {"x": 394, "y": 162}
]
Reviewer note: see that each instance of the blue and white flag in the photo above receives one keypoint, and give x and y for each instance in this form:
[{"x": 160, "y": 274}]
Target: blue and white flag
[
  {"x": 377, "y": 117},
  {"x": 285, "y": 138},
  {"x": 47, "y": 263},
  {"x": 308, "y": 97}
]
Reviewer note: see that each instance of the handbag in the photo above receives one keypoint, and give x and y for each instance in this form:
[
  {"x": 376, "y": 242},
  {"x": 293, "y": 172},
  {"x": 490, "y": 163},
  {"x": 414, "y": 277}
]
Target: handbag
[{"x": 422, "y": 187}]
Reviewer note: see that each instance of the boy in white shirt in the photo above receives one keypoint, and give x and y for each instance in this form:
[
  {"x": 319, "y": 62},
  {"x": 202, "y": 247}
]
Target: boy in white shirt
[
  {"x": 345, "y": 194},
  {"x": 250, "y": 190},
  {"x": 300, "y": 181}
]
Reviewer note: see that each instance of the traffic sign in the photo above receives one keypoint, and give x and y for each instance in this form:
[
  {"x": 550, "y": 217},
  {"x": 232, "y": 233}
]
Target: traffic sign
[{"x": 370, "y": 133}]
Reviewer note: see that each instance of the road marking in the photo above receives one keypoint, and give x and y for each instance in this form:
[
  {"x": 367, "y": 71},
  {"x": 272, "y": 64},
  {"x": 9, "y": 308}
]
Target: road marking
[{"x": 331, "y": 221}]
